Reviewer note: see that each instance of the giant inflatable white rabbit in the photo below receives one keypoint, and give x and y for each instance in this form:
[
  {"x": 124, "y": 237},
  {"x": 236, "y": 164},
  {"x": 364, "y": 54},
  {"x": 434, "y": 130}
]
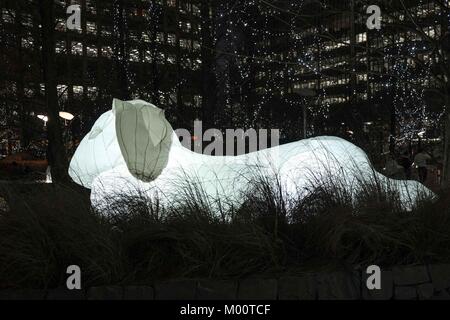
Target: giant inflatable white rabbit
[{"x": 132, "y": 149}]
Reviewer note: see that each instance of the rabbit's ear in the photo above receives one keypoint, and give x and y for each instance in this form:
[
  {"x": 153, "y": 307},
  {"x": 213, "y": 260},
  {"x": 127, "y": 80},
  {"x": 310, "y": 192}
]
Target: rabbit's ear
[{"x": 144, "y": 136}]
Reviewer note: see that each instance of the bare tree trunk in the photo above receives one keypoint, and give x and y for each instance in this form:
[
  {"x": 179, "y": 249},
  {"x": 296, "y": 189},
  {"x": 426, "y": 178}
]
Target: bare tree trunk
[
  {"x": 121, "y": 51},
  {"x": 181, "y": 110},
  {"x": 152, "y": 32},
  {"x": 208, "y": 80},
  {"x": 446, "y": 164},
  {"x": 24, "y": 120},
  {"x": 57, "y": 156},
  {"x": 445, "y": 48}
]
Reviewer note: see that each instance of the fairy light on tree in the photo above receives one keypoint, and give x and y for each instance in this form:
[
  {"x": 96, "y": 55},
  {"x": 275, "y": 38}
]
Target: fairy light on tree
[
  {"x": 411, "y": 60},
  {"x": 121, "y": 48},
  {"x": 152, "y": 17},
  {"x": 408, "y": 100},
  {"x": 265, "y": 66}
]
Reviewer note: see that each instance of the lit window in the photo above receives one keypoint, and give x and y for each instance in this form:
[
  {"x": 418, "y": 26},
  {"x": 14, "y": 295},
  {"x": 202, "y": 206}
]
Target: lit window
[
  {"x": 90, "y": 5},
  {"x": 134, "y": 55},
  {"x": 134, "y": 36},
  {"x": 29, "y": 92},
  {"x": 8, "y": 15},
  {"x": 91, "y": 27},
  {"x": 91, "y": 51},
  {"x": 106, "y": 32},
  {"x": 148, "y": 56},
  {"x": 195, "y": 10},
  {"x": 77, "y": 48},
  {"x": 27, "y": 20},
  {"x": 362, "y": 77},
  {"x": 171, "y": 39},
  {"x": 362, "y": 37},
  {"x": 92, "y": 92},
  {"x": 60, "y": 25},
  {"x": 185, "y": 43},
  {"x": 62, "y": 91},
  {"x": 77, "y": 90},
  {"x": 185, "y": 26},
  {"x": 60, "y": 47},
  {"x": 27, "y": 42},
  {"x": 107, "y": 51},
  {"x": 196, "y": 45},
  {"x": 160, "y": 37},
  {"x": 171, "y": 58}
]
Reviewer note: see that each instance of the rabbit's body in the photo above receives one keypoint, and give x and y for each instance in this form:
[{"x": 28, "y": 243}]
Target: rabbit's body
[{"x": 297, "y": 167}]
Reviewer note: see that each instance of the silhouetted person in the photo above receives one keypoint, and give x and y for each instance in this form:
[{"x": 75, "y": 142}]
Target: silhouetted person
[
  {"x": 420, "y": 160},
  {"x": 406, "y": 163},
  {"x": 392, "y": 167}
]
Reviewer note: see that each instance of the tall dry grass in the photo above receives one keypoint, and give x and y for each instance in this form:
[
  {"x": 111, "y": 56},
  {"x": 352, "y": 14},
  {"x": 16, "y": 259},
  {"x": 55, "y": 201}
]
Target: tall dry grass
[{"x": 141, "y": 240}]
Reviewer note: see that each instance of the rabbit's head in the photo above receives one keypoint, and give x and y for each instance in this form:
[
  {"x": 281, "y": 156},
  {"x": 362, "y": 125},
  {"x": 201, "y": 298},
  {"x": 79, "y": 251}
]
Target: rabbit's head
[{"x": 134, "y": 134}]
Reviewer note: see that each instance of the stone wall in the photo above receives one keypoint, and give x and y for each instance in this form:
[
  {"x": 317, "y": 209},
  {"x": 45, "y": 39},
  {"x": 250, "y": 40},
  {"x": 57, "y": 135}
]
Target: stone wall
[{"x": 399, "y": 283}]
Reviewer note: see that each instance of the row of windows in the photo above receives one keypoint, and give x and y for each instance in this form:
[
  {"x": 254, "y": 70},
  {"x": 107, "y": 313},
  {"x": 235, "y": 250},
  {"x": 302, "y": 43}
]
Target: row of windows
[
  {"x": 91, "y": 7},
  {"x": 91, "y": 92},
  {"x": 8, "y": 16},
  {"x": 134, "y": 56},
  {"x": 334, "y": 100},
  {"x": 328, "y": 82},
  {"x": 341, "y": 99},
  {"x": 29, "y": 92},
  {"x": 91, "y": 50},
  {"x": 77, "y": 47},
  {"x": 63, "y": 93}
]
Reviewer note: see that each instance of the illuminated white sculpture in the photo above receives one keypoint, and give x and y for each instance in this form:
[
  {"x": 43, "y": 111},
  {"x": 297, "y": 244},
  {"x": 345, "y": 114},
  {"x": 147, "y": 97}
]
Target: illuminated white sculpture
[{"x": 133, "y": 149}]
